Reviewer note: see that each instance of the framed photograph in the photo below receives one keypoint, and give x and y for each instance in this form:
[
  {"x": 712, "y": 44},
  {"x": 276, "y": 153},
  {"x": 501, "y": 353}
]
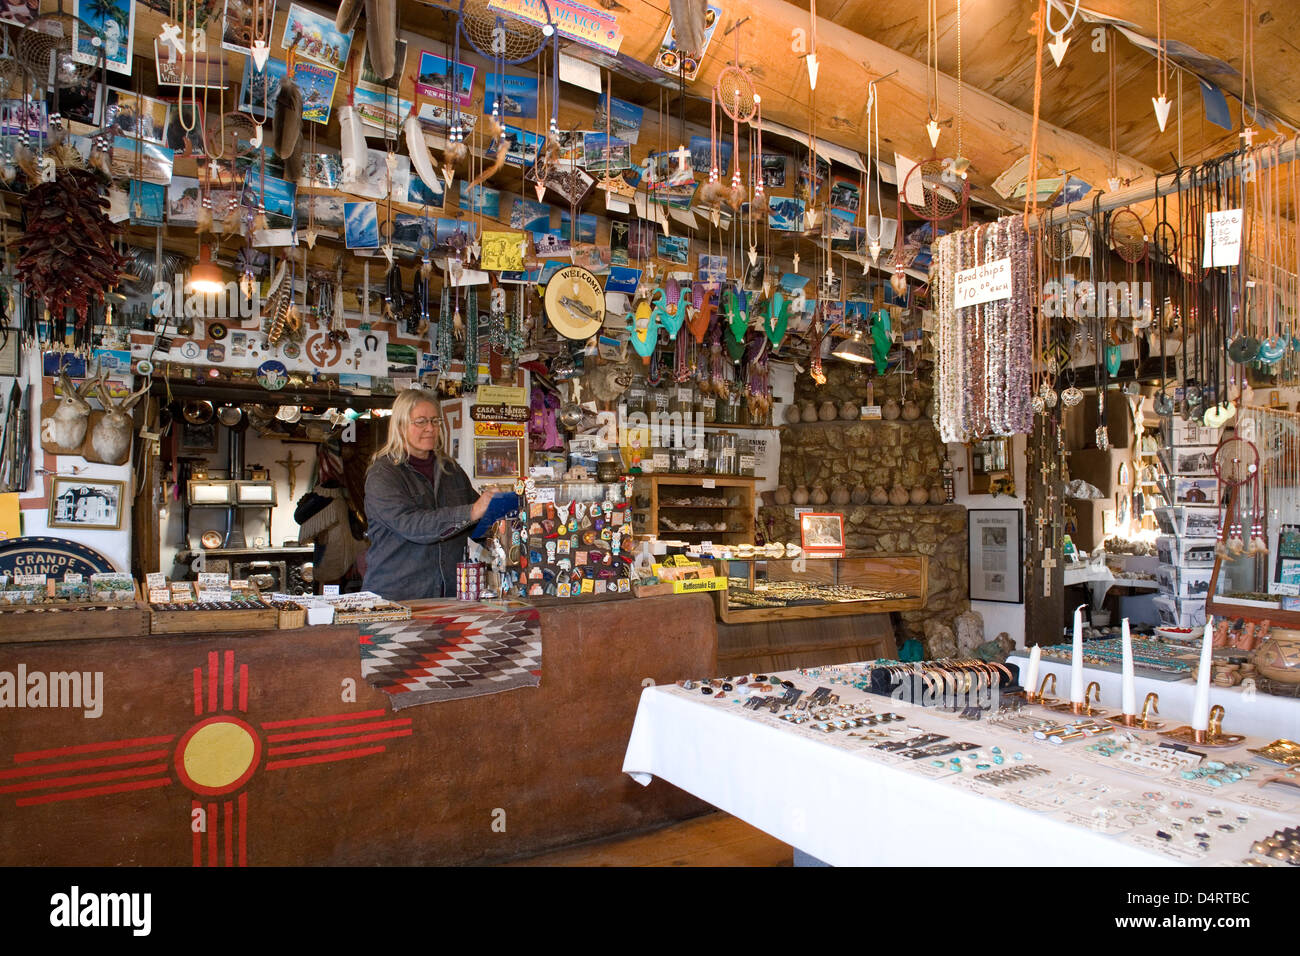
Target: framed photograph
[
  {"x": 1194, "y": 460},
  {"x": 9, "y": 339},
  {"x": 498, "y": 457},
  {"x": 1200, "y": 522},
  {"x": 821, "y": 533},
  {"x": 1196, "y": 491},
  {"x": 995, "y": 539},
  {"x": 86, "y": 503}
]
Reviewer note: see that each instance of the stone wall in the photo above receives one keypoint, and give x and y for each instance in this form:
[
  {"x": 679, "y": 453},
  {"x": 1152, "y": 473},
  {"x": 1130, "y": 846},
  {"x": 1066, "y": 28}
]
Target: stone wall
[{"x": 938, "y": 531}]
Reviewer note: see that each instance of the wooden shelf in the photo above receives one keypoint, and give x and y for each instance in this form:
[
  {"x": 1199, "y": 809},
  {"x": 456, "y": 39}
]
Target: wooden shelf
[
  {"x": 718, "y": 427},
  {"x": 729, "y": 488},
  {"x": 859, "y": 421}
]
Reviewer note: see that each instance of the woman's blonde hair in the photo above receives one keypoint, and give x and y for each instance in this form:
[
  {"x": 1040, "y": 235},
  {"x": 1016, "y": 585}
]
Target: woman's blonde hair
[{"x": 396, "y": 448}]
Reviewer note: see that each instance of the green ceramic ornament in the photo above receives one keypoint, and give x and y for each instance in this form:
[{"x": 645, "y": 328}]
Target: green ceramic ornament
[{"x": 776, "y": 319}]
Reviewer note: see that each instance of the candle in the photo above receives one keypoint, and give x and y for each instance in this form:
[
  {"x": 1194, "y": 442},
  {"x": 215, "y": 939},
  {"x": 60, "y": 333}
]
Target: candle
[
  {"x": 1031, "y": 677},
  {"x": 1128, "y": 692},
  {"x": 1076, "y": 659},
  {"x": 1201, "y": 703}
]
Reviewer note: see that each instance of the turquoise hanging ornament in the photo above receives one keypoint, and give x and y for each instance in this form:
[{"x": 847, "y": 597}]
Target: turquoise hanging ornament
[
  {"x": 668, "y": 310},
  {"x": 776, "y": 318},
  {"x": 880, "y": 339},
  {"x": 737, "y": 313}
]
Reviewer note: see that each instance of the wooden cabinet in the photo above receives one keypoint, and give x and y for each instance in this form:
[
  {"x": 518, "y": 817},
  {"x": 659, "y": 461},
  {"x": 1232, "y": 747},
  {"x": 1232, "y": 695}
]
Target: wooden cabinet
[{"x": 695, "y": 508}]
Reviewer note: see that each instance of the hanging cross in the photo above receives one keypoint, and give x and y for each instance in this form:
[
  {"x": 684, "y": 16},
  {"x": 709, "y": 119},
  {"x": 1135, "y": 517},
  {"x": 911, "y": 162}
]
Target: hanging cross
[
  {"x": 171, "y": 36},
  {"x": 1249, "y": 135},
  {"x": 681, "y": 154},
  {"x": 1046, "y": 470},
  {"x": 1048, "y": 563},
  {"x": 1041, "y": 521},
  {"x": 290, "y": 465}
]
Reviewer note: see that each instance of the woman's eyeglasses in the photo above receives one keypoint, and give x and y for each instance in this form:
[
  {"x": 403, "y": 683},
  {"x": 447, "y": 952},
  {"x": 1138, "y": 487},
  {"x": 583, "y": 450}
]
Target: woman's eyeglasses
[{"x": 423, "y": 422}]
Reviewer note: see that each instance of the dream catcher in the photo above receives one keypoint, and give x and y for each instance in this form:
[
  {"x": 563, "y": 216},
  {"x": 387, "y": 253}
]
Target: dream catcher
[
  {"x": 943, "y": 192},
  {"x": 1236, "y": 464},
  {"x": 734, "y": 92}
]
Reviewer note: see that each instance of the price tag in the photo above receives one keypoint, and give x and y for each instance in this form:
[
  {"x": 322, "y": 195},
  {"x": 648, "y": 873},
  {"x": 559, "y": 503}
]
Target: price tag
[
  {"x": 155, "y": 579},
  {"x": 685, "y": 395},
  {"x": 214, "y": 580},
  {"x": 660, "y": 462},
  {"x": 71, "y": 578},
  {"x": 746, "y": 461},
  {"x": 545, "y": 494},
  {"x": 330, "y": 590},
  {"x": 1222, "y": 238},
  {"x": 870, "y": 412},
  {"x": 213, "y": 594},
  {"x": 710, "y": 483},
  {"x": 989, "y": 282},
  {"x": 706, "y": 546},
  {"x": 160, "y": 596},
  {"x": 29, "y": 580}
]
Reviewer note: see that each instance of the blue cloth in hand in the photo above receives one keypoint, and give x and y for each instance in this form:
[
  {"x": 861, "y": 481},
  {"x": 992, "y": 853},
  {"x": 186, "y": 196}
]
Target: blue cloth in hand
[{"x": 502, "y": 504}]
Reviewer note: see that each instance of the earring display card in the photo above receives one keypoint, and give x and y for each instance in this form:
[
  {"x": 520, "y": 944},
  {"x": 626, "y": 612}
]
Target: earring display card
[{"x": 576, "y": 542}]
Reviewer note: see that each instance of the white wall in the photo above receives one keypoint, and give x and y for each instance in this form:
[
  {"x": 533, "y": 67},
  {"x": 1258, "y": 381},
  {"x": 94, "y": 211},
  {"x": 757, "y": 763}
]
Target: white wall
[{"x": 998, "y": 617}]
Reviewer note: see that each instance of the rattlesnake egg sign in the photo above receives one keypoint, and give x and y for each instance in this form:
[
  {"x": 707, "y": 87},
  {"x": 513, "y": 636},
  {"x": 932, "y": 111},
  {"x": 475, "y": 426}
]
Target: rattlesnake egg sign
[{"x": 989, "y": 282}]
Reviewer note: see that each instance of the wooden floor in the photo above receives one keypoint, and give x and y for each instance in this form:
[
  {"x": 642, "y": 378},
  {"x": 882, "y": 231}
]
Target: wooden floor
[{"x": 715, "y": 839}]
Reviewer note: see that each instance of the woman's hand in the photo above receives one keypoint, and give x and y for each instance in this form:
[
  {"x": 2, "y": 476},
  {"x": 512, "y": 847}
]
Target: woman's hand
[{"x": 480, "y": 507}]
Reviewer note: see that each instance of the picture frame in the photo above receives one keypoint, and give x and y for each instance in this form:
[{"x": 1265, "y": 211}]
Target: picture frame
[
  {"x": 1196, "y": 491},
  {"x": 498, "y": 457},
  {"x": 86, "y": 503},
  {"x": 995, "y": 543},
  {"x": 821, "y": 533},
  {"x": 9, "y": 350},
  {"x": 1194, "y": 460}
]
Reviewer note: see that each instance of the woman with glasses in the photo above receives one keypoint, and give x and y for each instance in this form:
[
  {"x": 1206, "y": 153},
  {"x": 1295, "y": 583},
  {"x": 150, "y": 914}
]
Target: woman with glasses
[{"x": 420, "y": 506}]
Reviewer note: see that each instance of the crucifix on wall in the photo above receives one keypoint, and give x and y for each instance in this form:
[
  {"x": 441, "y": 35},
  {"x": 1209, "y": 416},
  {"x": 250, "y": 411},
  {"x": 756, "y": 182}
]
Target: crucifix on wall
[{"x": 290, "y": 464}]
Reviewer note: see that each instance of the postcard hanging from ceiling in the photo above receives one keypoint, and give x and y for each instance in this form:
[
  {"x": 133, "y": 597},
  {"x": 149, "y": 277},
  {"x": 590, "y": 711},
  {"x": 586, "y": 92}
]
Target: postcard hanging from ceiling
[
  {"x": 316, "y": 36},
  {"x": 112, "y": 22},
  {"x": 669, "y": 60},
  {"x": 418, "y": 193},
  {"x": 136, "y": 159},
  {"x": 530, "y": 215},
  {"x": 571, "y": 185},
  {"x": 601, "y": 154},
  {"x": 361, "y": 225},
  {"x": 434, "y": 79},
  {"x": 845, "y": 194},
  {"x": 515, "y": 95},
  {"x": 369, "y": 80},
  {"x": 206, "y": 70},
  {"x": 480, "y": 199},
  {"x": 624, "y": 122},
  {"x": 148, "y": 204},
  {"x": 131, "y": 115},
  {"x": 317, "y": 85},
  {"x": 322, "y": 170},
  {"x": 237, "y": 27},
  {"x": 786, "y": 213},
  {"x": 575, "y": 21},
  {"x": 274, "y": 196},
  {"x": 586, "y": 226},
  {"x": 520, "y": 145},
  {"x": 380, "y": 111},
  {"x": 503, "y": 251},
  {"x": 26, "y": 114},
  {"x": 702, "y": 155},
  {"x": 259, "y": 88},
  {"x": 183, "y": 201},
  {"x": 440, "y": 116}
]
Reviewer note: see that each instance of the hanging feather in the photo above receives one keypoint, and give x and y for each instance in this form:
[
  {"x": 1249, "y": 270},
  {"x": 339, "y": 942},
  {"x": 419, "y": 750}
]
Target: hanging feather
[
  {"x": 203, "y": 221},
  {"x": 352, "y": 144},
  {"x": 293, "y": 162},
  {"x": 688, "y": 25},
  {"x": 381, "y": 37},
  {"x": 345, "y": 21},
  {"x": 421, "y": 159},
  {"x": 286, "y": 129},
  {"x": 495, "y": 132}
]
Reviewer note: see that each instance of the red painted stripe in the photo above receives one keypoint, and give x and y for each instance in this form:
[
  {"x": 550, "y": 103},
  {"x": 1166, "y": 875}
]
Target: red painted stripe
[
  {"x": 338, "y": 731},
  {"x": 228, "y": 687},
  {"x": 92, "y": 792},
  {"x": 214, "y": 821},
  {"x": 214, "y": 668},
  {"x": 78, "y": 764},
  {"x": 326, "y": 744},
  {"x": 301, "y": 721},
  {"x": 323, "y": 758},
  {"x": 84, "y": 778},
  {"x": 198, "y": 691},
  {"x": 230, "y": 825},
  {"x": 198, "y": 837},
  {"x": 243, "y": 687},
  {"x": 243, "y": 827},
  {"x": 91, "y": 748}
]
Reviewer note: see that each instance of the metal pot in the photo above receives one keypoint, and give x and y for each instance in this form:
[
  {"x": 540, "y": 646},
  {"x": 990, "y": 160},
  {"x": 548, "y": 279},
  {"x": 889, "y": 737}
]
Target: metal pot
[{"x": 197, "y": 412}]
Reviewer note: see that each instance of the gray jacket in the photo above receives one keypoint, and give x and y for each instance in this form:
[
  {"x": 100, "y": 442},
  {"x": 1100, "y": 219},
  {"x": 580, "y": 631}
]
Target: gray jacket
[{"x": 417, "y": 530}]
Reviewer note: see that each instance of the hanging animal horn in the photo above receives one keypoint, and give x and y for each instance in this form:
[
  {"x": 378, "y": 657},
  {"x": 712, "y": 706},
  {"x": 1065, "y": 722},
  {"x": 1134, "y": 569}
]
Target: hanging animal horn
[
  {"x": 381, "y": 37},
  {"x": 421, "y": 159},
  {"x": 287, "y": 125}
]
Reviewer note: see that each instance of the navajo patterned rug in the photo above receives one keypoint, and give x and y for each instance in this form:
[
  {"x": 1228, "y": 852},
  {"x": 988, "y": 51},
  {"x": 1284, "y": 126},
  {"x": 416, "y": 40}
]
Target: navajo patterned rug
[{"x": 452, "y": 650}]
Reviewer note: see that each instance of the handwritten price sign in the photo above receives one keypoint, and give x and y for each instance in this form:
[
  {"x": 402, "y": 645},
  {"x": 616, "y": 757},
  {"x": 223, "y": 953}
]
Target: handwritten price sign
[
  {"x": 990, "y": 282},
  {"x": 1222, "y": 239}
]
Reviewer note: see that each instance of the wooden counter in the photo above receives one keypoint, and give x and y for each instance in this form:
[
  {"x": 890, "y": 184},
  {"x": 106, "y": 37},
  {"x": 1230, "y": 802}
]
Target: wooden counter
[{"x": 471, "y": 781}]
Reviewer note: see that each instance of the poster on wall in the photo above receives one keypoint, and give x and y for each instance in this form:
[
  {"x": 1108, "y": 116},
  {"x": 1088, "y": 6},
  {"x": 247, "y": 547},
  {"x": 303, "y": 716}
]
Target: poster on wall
[{"x": 995, "y": 539}]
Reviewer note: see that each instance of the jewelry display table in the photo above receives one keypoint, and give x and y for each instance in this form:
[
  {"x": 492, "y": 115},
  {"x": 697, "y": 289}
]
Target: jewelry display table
[
  {"x": 840, "y": 800},
  {"x": 1246, "y": 711}
]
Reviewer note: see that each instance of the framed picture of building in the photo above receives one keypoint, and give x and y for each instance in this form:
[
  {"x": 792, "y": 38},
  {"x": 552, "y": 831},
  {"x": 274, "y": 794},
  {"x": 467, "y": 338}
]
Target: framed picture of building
[{"x": 86, "y": 503}]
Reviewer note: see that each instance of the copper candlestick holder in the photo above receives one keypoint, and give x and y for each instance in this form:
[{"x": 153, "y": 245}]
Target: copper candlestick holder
[
  {"x": 1041, "y": 697},
  {"x": 1211, "y": 737},
  {"x": 1143, "y": 722},
  {"x": 1080, "y": 708}
]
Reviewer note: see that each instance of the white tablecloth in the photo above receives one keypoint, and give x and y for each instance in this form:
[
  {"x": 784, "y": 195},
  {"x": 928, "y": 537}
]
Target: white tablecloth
[
  {"x": 847, "y": 804},
  {"x": 1251, "y": 713}
]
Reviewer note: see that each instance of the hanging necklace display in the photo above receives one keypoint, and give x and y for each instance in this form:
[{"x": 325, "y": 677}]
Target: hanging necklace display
[
  {"x": 932, "y": 73},
  {"x": 1164, "y": 247},
  {"x": 1059, "y": 39},
  {"x": 873, "y": 180},
  {"x": 734, "y": 91},
  {"x": 455, "y": 150},
  {"x": 1161, "y": 100},
  {"x": 1236, "y": 461},
  {"x": 1127, "y": 236}
]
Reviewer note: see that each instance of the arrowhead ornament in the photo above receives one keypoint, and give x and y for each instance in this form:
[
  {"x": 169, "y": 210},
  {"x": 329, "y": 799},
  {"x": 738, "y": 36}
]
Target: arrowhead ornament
[
  {"x": 1057, "y": 48},
  {"x": 715, "y": 215},
  {"x": 260, "y": 51},
  {"x": 1162, "y": 105},
  {"x": 813, "y": 66},
  {"x": 874, "y": 248},
  {"x": 387, "y": 250},
  {"x": 309, "y": 237},
  {"x": 475, "y": 248},
  {"x": 448, "y": 173},
  {"x": 932, "y": 128},
  {"x": 540, "y": 189},
  {"x": 753, "y": 255}
]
